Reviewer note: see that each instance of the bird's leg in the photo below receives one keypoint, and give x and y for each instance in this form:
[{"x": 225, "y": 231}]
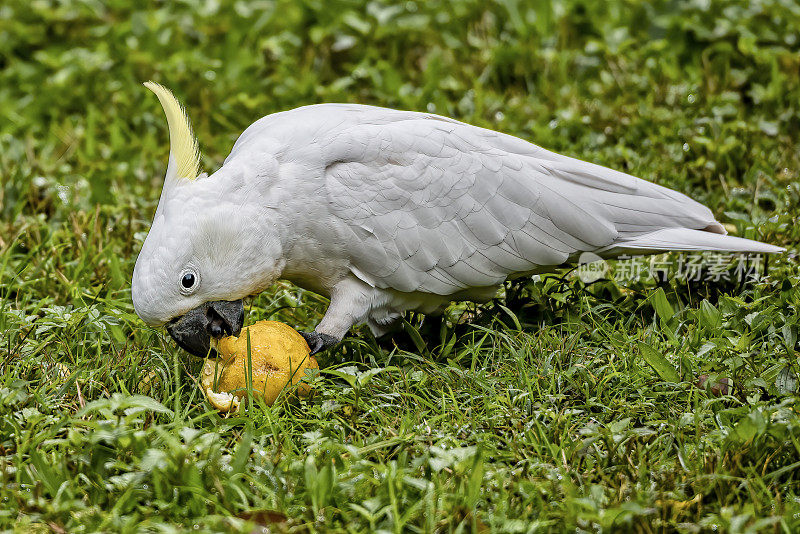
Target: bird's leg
[
  {"x": 318, "y": 342},
  {"x": 350, "y": 304}
]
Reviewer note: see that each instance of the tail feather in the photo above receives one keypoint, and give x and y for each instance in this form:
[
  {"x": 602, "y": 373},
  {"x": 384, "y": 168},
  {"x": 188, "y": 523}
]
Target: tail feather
[{"x": 684, "y": 239}]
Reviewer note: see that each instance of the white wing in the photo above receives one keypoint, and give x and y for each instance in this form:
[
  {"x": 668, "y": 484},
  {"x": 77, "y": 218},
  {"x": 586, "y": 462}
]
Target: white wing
[{"x": 439, "y": 206}]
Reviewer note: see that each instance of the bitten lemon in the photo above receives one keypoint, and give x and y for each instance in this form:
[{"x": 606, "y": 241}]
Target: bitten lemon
[{"x": 278, "y": 356}]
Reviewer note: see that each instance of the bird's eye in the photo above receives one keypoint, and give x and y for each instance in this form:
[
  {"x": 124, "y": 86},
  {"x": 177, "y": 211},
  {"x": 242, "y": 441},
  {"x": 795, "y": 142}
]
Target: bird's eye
[{"x": 187, "y": 281}]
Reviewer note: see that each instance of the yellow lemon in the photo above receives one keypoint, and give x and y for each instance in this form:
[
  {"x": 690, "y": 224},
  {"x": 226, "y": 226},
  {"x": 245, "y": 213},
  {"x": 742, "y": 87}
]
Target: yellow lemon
[{"x": 278, "y": 356}]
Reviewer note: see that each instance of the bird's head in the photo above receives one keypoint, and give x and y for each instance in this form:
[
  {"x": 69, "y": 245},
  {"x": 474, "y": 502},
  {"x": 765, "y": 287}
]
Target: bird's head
[{"x": 204, "y": 252}]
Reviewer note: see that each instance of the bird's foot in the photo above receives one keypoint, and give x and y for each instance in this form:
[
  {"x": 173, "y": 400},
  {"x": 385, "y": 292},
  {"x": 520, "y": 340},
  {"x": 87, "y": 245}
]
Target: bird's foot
[{"x": 318, "y": 342}]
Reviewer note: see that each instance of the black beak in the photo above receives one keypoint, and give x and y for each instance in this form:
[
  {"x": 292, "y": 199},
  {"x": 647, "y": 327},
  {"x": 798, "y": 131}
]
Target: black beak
[{"x": 193, "y": 331}]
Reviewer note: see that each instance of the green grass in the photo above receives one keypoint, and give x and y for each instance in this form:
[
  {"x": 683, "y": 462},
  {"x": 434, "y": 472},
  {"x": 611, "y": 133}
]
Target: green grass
[{"x": 564, "y": 406}]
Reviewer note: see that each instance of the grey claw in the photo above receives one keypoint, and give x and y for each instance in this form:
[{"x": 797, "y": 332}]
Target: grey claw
[{"x": 318, "y": 342}]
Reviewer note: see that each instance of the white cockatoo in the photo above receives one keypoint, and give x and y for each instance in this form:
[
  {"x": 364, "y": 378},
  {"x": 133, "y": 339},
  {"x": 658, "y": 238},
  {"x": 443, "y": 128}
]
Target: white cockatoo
[{"x": 384, "y": 211}]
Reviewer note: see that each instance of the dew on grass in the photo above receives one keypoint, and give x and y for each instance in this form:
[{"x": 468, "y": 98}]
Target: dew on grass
[
  {"x": 63, "y": 193},
  {"x": 690, "y": 98}
]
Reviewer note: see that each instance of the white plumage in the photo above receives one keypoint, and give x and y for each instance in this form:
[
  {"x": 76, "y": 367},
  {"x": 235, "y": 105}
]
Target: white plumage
[{"x": 386, "y": 210}]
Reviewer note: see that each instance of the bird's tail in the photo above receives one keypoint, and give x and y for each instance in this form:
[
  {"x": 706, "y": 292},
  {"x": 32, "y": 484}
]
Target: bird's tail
[{"x": 684, "y": 239}]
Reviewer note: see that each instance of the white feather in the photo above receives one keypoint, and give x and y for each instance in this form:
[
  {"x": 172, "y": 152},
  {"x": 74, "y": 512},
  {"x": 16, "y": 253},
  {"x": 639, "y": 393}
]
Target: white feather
[
  {"x": 388, "y": 210},
  {"x": 687, "y": 240}
]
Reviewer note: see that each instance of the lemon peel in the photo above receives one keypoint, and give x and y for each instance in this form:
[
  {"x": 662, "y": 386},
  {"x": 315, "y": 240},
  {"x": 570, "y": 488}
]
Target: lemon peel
[
  {"x": 224, "y": 402},
  {"x": 278, "y": 356}
]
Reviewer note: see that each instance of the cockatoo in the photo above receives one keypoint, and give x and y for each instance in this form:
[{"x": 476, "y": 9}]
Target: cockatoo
[{"x": 384, "y": 211}]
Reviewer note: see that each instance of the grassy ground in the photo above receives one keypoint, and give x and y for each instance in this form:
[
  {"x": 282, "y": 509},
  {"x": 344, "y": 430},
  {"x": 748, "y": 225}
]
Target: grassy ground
[{"x": 564, "y": 406}]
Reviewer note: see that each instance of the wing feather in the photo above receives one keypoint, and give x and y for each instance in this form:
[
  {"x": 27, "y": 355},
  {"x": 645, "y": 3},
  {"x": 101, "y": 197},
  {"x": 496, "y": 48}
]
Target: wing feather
[{"x": 442, "y": 207}]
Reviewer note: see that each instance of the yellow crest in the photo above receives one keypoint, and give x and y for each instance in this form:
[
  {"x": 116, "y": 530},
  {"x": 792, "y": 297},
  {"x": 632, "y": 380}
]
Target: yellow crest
[{"x": 182, "y": 143}]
